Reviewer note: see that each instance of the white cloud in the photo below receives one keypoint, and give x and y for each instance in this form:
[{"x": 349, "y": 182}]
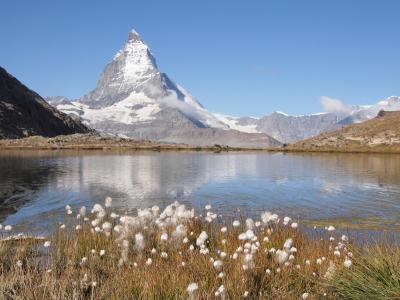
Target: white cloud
[
  {"x": 334, "y": 105},
  {"x": 173, "y": 101}
]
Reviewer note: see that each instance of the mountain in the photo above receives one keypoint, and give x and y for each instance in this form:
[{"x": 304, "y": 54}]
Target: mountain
[
  {"x": 24, "y": 113},
  {"x": 134, "y": 99},
  {"x": 380, "y": 134},
  {"x": 287, "y": 129}
]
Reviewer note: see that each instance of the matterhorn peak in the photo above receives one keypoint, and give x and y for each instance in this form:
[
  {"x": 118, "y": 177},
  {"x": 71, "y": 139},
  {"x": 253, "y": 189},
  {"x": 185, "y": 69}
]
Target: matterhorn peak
[{"x": 134, "y": 36}]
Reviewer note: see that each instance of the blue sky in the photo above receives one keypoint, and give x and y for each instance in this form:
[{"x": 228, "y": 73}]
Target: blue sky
[{"x": 236, "y": 57}]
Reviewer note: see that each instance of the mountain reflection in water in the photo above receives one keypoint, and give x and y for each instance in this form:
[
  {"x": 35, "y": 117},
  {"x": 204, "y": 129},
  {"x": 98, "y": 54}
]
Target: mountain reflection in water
[{"x": 36, "y": 185}]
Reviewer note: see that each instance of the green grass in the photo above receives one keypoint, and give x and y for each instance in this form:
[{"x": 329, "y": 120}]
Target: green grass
[{"x": 374, "y": 275}]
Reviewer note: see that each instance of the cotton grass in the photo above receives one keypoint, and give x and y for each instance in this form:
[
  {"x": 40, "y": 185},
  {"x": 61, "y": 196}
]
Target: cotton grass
[{"x": 175, "y": 254}]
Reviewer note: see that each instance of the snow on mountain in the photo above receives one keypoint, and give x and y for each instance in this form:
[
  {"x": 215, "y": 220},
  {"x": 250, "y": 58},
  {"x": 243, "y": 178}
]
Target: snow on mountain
[
  {"x": 241, "y": 124},
  {"x": 134, "y": 99},
  {"x": 286, "y": 128}
]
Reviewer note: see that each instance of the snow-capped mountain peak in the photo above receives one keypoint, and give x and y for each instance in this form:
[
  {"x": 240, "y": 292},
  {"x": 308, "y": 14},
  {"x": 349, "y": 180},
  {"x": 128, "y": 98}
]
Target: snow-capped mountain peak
[
  {"x": 134, "y": 36},
  {"x": 134, "y": 98}
]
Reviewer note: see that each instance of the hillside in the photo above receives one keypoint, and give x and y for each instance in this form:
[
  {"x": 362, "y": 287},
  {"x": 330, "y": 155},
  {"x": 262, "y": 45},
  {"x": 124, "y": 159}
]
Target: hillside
[
  {"x": 381, "y": 134},
  {"x": 24, "y": 113}
]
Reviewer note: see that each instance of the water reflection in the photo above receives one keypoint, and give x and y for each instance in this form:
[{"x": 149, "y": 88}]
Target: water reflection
[{"x": 309, "y": 186}]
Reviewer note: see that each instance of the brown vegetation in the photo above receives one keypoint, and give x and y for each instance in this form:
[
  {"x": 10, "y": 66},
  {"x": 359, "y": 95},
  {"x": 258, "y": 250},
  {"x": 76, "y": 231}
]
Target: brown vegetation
[{"x": 379, "y": 135}]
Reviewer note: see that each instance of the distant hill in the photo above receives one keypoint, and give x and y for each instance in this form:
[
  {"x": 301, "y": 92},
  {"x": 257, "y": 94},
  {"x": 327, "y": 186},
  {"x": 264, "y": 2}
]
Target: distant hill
[
  {"x": 381, "y": 134},
  {"x": 25, "y": 113}
]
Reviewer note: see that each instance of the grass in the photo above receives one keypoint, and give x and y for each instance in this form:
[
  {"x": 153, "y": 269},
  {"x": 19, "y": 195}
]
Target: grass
[
  {"x": 375, "y": 275},
  {"x": 108, "y": 257}
]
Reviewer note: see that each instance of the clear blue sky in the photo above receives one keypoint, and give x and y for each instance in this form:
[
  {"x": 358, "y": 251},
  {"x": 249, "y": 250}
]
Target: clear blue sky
[{"x": 236, "y": 57}]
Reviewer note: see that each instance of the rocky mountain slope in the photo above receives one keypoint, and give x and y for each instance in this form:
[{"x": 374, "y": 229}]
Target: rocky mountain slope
[
  {"x": 381, "y": 134},
  {"x": 134, "y": 99},
  {"x": 287, "y": 129},
  {"x": 24, "y": 113}
]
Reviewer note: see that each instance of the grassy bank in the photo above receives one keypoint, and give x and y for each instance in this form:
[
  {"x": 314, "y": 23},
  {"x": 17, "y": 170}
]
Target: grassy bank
[{"x": 177, "y": 254}]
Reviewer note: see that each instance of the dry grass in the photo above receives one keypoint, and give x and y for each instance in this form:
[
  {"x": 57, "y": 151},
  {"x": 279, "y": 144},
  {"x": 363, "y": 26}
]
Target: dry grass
[
  {"x": 72, "y": 267},
  {"x": 378, "y": 135}
]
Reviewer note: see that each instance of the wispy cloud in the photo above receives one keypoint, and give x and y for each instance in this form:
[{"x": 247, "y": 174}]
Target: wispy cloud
[{"x": 334, "y": 105}]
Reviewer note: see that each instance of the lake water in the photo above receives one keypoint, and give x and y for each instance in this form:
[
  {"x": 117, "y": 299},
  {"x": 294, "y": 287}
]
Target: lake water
[{"x": 357, "y": 190}]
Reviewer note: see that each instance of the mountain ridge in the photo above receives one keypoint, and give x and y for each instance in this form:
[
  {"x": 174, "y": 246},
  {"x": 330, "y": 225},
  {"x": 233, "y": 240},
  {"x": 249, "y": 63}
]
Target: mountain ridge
[
  {"x": 23, "y": 112},
  {"x": 380, "y": 134}
]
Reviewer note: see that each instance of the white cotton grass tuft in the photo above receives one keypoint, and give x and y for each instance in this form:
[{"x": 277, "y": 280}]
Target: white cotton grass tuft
[
  {"x": 220, "y": 291},
  {"x": 201, "y": 238},
  {"x": 268, "y": 217},
  {"x": 82, "y": 211},
  {"x": 179, "y": 233},
  {"x": 191, "y": 289},
  {"x": 47, "y": 244},
  {"x": 286, "y": 220},
  {"x": 149, "y": 261},
  {"x": 330, "y": 228},
  {"x": 108, "y": 202},
  {"x": 8, "y": 228},
  {"x": 102, "y": 252},
  {"x": 124, "y": 251},
  {"x": 164, "y": 255},
  {"x": 107, "y": 226},
  {"x": 347, "y": 262},
  {"x": 294, "y": 225},
  {"x": 164, "y": 237},
  {"x": 330, "y": 272},
  {"x": 305, "y": 296},
  {"x": 236, "y": 223},
  {"x": 99, "y": 211},
  {"x": 288, "y": 244},
  {"x": 249, "y": 224},
  {"x": 84, "y": 260},
  {"x": 114, "y": 216},
  {"x": 281, "y": 257},
  {"x": 139, "y": 242},
  {"x": 218, "y": 264},
  {"x": 224, "y": 229},
  {"x": 208, "y": 207}
]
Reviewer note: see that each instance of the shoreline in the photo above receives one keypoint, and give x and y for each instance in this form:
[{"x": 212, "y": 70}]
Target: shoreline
[{"x": 94, "y": 142}]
